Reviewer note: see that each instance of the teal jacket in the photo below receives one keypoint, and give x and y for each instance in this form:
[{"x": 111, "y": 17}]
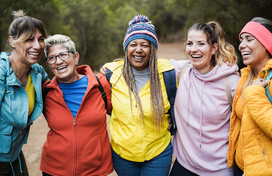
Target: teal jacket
[{"x": 14, "y": 119}]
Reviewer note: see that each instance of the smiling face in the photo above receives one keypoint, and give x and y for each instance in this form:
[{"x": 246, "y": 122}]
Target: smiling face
[
  {"x": 200, "y": 51},
  {"x": 252, "y": 51},
  {"x": 139, "y": 53},
  {"x": 30, "y": 51},
  {"x": 64, "y": 70}
]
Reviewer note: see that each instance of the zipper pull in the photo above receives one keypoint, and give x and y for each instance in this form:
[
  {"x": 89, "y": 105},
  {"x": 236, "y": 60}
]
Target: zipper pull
[{"x": 74, "y": 121}]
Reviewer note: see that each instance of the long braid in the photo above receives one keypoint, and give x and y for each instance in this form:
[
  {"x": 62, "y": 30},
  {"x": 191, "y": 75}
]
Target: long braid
[
  {"x": 130, "y": 80},
  {"x": 156, "y": 102}
]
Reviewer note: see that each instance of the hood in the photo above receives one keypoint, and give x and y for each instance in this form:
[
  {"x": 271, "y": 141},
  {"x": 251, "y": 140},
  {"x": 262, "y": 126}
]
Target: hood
[{"x": 218, "y": 72}]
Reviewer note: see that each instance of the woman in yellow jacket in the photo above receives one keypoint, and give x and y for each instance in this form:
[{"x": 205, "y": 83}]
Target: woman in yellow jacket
[
  {"x": 250, "y": 134},
  {"x": 140, "y": 138}
]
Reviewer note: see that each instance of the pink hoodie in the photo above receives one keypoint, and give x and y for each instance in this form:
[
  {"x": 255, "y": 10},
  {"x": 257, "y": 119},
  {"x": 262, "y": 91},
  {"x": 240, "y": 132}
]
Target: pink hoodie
[{"x": 202, "y": 113}]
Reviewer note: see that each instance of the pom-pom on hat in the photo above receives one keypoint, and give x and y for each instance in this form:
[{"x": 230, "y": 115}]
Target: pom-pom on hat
[{"x": 140, "y": 28}]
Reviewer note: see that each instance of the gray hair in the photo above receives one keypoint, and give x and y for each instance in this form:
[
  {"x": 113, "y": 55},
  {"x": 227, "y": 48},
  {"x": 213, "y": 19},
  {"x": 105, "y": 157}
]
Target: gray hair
[{"x": 59, "y": 39}]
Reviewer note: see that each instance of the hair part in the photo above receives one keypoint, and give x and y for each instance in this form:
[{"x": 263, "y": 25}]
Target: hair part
[
  {"x": 156, "y": 103},
  {"x": 64, "y": 40},
  {"x": 215, "y": 34},
  {"x": 24, "y": 27}
]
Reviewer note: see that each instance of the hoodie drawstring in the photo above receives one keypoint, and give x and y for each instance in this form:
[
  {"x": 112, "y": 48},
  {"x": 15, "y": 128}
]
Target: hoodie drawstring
[
  {"x": 188, "y": 103},
  {"x": 21, "y": 170},
  {"x": 201, "y": 115}
]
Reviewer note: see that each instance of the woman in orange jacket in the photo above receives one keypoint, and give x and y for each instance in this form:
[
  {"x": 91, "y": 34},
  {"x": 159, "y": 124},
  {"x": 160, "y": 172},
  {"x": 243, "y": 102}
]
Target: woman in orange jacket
[
  {"x": 250, "y": 134},
  {"x": 77, "y": 143}
]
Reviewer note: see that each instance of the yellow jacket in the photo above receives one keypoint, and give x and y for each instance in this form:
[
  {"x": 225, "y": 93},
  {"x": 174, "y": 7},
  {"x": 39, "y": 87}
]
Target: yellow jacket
[
  {"x": 131, "y": 138},
  {"x": 255, "y": 128}
]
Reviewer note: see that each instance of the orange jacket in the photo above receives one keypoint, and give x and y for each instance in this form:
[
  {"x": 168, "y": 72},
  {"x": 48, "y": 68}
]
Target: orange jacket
[
  {"x": 255, "y": 128},
  {"x": 77, "y": 146}
]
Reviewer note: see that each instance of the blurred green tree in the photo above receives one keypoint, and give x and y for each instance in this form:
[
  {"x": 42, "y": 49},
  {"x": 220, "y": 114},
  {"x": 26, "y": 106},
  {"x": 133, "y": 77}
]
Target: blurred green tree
[{"x": 98, "y": 26}]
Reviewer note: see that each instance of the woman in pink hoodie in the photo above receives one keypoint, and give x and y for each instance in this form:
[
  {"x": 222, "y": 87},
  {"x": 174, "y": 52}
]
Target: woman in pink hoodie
[{"x": 207, "y": 83}]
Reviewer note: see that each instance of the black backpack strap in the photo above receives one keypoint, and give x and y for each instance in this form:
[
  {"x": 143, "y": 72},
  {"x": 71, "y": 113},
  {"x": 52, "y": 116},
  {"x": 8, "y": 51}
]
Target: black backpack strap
[
  {"x": 171, "y": 89},
  {"x": 45, "y": 91},
  {"x": 108, "y": 75},
  {"x": 103, "y": 93}
]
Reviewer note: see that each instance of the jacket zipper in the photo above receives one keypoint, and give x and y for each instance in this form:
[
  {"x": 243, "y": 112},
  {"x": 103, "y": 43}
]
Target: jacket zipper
[
  {"x": 142, "y": 142},
  {"x": 74, "y": 121},
  {"x": 242, "y": 145},
  {"x": 262, "y": 147},
  {"x": 140, "y": 131}
]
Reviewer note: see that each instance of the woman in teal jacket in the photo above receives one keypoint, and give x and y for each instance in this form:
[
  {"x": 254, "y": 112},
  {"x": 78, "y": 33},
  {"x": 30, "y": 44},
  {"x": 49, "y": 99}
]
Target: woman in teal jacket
[{"x": 20, "y": 90}]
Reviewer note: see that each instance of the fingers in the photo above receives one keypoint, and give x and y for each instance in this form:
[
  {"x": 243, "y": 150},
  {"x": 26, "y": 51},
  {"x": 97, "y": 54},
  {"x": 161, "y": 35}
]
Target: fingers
[
  {"x": 260, "y": 82},
  {"x": 170, "y": 123},
  {"x": 103, "y": 70},
  {"x": 169, "y": 127}
]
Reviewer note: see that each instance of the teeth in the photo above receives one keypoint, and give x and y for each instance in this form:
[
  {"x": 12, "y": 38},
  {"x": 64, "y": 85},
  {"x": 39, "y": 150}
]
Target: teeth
[
  {"x": 248, "y": 53},
  {"x": 196, "y": 56},
  {"x": 35, "y": 54},
  {"x": 59, "y": 68},
  {"x": 138, "y": 57}
]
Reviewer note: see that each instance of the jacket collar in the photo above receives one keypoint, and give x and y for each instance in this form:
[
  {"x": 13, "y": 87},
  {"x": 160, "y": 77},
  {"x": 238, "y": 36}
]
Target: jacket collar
[
  {"x": 263, "y": 73},
  {"x": 83, "y": 69}
]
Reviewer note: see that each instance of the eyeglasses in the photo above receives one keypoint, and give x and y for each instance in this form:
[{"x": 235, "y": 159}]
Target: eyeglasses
[{"x": 63, "y": 56}]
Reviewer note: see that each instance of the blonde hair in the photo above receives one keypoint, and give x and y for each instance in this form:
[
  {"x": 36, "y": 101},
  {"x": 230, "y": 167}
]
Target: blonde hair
[
  {"x": 24, "y": 27},
  {"x": 216, "y": 34},
  {"x": 248, "y": 81},
  {"x": 157, "y": 104}
]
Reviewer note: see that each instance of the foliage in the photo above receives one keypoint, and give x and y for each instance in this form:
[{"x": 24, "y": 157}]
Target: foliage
[{"x": 98, "y": 26}]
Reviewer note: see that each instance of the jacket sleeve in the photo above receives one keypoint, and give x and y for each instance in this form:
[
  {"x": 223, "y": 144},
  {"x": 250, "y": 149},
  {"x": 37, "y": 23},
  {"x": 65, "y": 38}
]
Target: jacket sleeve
[
  {"x": 43, "y": 73},
  {"x": 179, "y": 65},
  {"x": 259, "y": 108},
  {"x": 2, "y": 83},
  {"x": 106, "y": 87}
]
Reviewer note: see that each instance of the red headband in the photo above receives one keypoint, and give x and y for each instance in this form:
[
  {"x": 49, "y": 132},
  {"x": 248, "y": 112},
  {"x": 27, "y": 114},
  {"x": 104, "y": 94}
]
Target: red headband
[{"x": 263, "y": 35}]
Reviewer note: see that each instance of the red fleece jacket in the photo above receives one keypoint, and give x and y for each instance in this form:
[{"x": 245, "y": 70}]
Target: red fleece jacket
[{"x": 77, "y": 146}]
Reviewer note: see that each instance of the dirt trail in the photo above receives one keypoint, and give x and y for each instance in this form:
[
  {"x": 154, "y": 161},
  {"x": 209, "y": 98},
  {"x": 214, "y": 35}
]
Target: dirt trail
[{"x": 39, "y": 129}]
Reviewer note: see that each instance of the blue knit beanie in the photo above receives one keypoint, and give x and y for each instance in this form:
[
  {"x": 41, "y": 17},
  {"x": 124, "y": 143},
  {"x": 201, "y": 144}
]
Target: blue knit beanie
[{"x": 140, "y": 28}]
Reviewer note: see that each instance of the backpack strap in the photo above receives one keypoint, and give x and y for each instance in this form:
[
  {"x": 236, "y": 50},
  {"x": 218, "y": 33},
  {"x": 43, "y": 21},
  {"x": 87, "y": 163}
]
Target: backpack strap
[
  {"x": 45, "y": 90},
  {"x": 108, "y": 75},
  {"x": 171, "y": 89},
  {"x": 183, "y": 71},
  {"x": 103, "y": 93},
  {"x": 228, "y": 90},
  {"x": 267, "y": 93}
]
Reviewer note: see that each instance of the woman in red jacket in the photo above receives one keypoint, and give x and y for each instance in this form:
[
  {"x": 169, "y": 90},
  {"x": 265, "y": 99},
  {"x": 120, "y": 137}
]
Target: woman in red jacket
[{"x": 77, "y": 142}]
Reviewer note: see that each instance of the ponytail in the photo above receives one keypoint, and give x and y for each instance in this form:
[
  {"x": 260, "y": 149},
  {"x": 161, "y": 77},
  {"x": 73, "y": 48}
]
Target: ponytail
[
  {"x": 215, "y": 34},
  {"x": 225, "y": 52}
]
